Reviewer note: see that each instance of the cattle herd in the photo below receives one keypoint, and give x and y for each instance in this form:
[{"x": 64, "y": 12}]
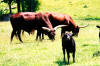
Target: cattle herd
[{"x": 46, "y": 23}]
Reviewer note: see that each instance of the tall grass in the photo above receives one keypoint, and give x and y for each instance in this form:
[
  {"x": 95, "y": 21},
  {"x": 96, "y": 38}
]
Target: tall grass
[{"x": 46, "y": 53}]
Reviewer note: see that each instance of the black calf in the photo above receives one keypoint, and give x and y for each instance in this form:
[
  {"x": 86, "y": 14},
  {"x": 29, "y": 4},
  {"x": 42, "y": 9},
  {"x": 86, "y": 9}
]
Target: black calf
[{"x": 68, "y": 44}]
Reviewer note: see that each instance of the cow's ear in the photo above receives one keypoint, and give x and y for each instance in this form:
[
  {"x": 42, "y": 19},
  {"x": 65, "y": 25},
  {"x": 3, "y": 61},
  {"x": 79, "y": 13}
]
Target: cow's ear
[{"x": 45, "y": 28}]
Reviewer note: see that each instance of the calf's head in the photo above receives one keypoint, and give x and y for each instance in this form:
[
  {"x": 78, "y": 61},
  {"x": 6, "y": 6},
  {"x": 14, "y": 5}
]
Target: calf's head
[{"x": 67, "y": 36}]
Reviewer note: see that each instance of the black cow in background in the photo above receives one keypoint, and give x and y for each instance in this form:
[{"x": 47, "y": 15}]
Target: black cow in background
[
  {"x": 68, "y": 45},
  {"x": 99, "y": 31}
]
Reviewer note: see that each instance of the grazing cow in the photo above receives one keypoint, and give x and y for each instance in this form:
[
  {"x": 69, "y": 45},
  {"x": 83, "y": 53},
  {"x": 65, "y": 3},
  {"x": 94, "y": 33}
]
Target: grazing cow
[
  {"x": 68, "y": 45},
  {"x": 99, "y": 31},
  {"x": 28, "y": 21},
  {"x": 63, "y": 19}
]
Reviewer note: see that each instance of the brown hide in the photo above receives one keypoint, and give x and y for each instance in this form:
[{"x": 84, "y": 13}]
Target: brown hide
[
  {"x": 28, "y": 21},
  {"x": 63, "y": 19}
]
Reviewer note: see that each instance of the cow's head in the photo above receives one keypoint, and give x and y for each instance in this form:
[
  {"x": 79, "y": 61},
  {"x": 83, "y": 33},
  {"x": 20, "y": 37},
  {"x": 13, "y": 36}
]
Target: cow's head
[
  {"x": 76, "y": 30},
  {"x": 51, "y": 33}
]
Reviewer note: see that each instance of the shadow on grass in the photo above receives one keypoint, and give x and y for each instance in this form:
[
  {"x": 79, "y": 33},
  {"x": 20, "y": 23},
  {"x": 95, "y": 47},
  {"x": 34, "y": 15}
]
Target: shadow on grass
[
  {"x": 5, "y": 17},
  {"x": 96, "y": 54},
  {"x": 90, "y": 18},
  {"x": 85, "y": 45},
  {"x": 62, "y": 63}
]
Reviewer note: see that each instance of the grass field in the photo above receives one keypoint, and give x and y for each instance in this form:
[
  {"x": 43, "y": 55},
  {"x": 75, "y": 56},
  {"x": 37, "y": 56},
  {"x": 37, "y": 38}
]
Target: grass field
[
  {"x": 78, "y": 9},
  {"x": 48, "y": 53}
]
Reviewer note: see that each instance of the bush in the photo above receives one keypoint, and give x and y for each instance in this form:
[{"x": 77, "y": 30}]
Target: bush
[
  {"x": 85, "y": 6},
  {"x": 2, "y": 9},
  {"x": 1, "y": 14},
  {"x": 35, "y": 5}
]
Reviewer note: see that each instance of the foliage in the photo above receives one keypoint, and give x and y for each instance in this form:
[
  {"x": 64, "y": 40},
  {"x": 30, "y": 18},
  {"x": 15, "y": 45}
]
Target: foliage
[
  {"x": 35, "y": 5},
  {"x": 7, "y": 1},
  {"x": 26, "y": 3},
  {"x": 97, "y": 53},
  {"x": 1, "y": 12},
  {"x": 2, "y": 9}
]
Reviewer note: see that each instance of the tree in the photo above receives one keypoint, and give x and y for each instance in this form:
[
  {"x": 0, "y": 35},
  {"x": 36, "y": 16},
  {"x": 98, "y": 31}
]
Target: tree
[
  {"x": 31, "y": 7},
  {"x": 22, "y": 2},
  {"x": 18, "y": 5},
  {"x": 9, "y": 3},
  {"x": 26, "y": 5}
]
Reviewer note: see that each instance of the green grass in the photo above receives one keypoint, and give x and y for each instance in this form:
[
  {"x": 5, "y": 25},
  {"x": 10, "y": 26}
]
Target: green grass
[
  {"x": 46, "y": 53},
  {"x": 78, "y": 9}
]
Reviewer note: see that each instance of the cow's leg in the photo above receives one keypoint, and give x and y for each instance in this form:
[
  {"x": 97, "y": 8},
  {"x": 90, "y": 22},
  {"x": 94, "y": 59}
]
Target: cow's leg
[
  {"x": 12, "y": 34},
  {"x": 68, "y": 56},
  {"x": 42, "y": 36},
  {"x": 19, "y": 37},
  {"x": 73, "y": 57},
  {"x": 63, "y": 53},
  {"x": 37, "y": 35}
]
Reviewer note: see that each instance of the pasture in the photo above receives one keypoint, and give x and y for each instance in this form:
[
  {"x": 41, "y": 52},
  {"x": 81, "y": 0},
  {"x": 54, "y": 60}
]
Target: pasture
[{"x": 48, "y": 53}]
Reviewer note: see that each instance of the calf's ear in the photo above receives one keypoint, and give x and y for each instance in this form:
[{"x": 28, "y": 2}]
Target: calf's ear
[{"x": 62, "y": 35}]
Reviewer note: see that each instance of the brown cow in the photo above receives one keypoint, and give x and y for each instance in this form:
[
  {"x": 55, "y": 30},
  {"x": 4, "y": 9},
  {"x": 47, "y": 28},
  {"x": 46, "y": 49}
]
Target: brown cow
[
  {"x": 29, "y": 21},
  {"x": 63, "y": 19}
]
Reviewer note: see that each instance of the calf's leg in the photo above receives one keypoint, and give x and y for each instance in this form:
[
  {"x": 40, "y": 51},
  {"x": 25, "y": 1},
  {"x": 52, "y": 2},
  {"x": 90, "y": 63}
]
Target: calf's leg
[
  {"x": 68, "y": 56},
  {"x": 63, "y": 53},
  {"x": 73, "y": 57}
]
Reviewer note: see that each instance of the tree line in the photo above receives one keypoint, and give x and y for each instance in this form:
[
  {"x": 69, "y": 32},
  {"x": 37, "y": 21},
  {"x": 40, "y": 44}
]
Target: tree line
[{"x": 23, "y": 5}]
